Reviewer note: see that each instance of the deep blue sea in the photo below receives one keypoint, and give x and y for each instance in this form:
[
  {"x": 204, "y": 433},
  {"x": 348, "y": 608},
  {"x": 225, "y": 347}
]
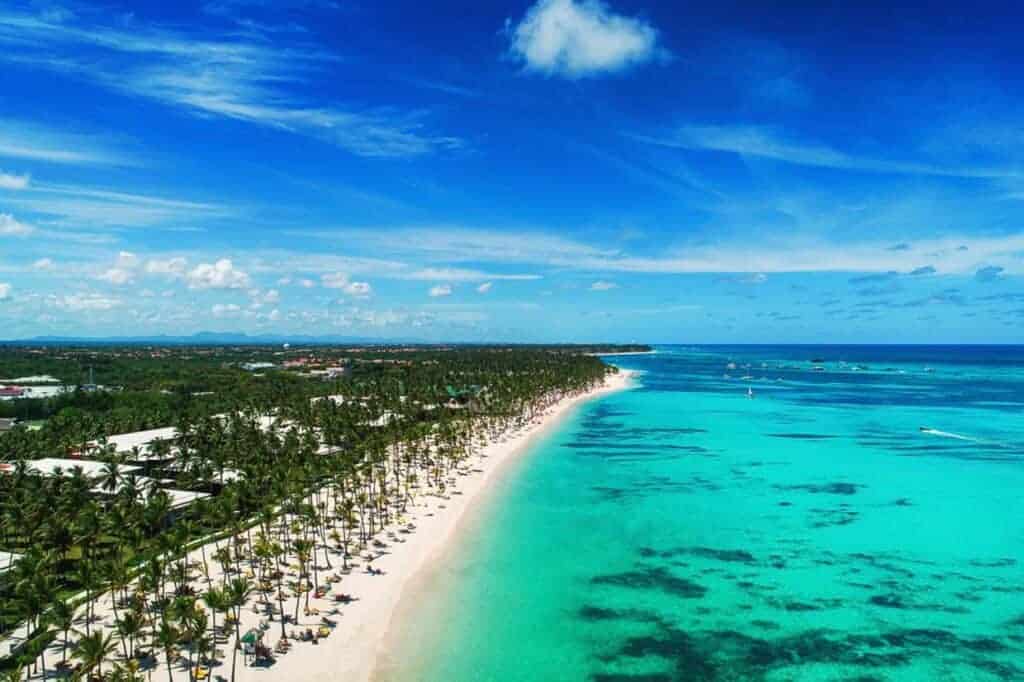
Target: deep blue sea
[{"x": 752, "y": 513}]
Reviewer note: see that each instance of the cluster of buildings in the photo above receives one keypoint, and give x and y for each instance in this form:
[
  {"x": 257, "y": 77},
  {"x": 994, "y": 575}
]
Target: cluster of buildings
[
  {"x": 43, "y": 386},
  {"x": 139, "y": 452}
]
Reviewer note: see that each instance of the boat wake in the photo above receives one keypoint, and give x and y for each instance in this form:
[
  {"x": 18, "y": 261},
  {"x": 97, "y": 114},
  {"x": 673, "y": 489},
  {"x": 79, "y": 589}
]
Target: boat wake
[{"x": 957, "y": 436}]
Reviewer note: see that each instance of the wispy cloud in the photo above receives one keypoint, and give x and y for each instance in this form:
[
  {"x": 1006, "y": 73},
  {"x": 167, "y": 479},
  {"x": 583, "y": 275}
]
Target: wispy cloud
[
  {"x": 463, "y": 275},
  {"x": 462, "y": 244},
  {"x": 574, "y": 39},
  {"x": 87, "y": 206},
  {"x": 766, "y": 143},
  {"x": 34, "y": 142},
  {"x": 228, "y": 77},
  {"x": 954, "y": 254}
]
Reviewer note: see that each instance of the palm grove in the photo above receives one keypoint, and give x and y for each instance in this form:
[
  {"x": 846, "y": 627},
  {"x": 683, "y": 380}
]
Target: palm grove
[{"x": 295, "y": 485}]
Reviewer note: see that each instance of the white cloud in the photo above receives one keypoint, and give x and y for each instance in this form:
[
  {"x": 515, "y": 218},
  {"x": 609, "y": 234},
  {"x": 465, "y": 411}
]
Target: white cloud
[
  {"x": 173, "y": 268},
  {"x": 127, "y": 260},
  {"x": 602, "y": 285},
  {"x": 84, "y": 302},
  {"x": 116, "y": 276},
  {"x": 225, "y": 309},
  {"x": 334, "y": 280},
  {"x": 5, "y": 291},
  {"x": 440, "y": 290},
  {"x": 219, "y": 275},
  {"x": 358, "y": 289},
  {"x": 123, "y": 271},
  {"x": 574, "y": 39},
  {"x": 284, "y": 281},
  {"x": 44, "y": 264},
  {"x": 306, "y": 283},
  {"x": 261, "y": 298},
  {"x": 9, "y": 227},
  {"x": 9, "y": 181},
  {"x": 485, "y": 287},
  {"x": 338, "y": 280}
]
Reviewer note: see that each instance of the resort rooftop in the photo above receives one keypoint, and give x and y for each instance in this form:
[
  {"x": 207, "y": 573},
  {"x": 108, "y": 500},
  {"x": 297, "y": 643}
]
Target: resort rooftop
[
  {"x": 179, "y": 498},
  {"x": 7, "y": 560},
  {"x": 128, "y": 442},
  {"x": 52, "y": 466}
]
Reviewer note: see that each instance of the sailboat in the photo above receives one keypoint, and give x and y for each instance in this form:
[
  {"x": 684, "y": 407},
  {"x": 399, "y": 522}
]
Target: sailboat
[{"x": 750, "y": 393}]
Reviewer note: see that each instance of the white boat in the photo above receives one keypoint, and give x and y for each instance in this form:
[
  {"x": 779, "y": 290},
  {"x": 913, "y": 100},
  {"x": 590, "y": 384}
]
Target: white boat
[{"x": 750, "y": 392}]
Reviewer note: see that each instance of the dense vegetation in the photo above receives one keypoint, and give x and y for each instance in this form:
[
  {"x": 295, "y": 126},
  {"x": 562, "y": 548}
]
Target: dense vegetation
[{"x": 290, "y": 479}]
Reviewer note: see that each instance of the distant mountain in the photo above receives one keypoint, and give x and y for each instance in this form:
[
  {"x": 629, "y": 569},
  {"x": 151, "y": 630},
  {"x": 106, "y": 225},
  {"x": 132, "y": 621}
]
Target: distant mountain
[{"x": 208, "y": 339}]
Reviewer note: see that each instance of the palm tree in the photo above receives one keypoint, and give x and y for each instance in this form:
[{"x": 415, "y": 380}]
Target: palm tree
[
  {"x": 93, "y": 649},
  {"x": 167, "y": 637},
  {"x": 62, "y": 616},
  {"x": 125, "y": 672},
  {"x": 216, "y": 600},
  {"x": 110, "y": 476},
  {"x": 195, "y": 623},
  {"x": 129, "y": 626},
  {"x": 302, "y": 553},
  {"x": 238, "y": 591}
]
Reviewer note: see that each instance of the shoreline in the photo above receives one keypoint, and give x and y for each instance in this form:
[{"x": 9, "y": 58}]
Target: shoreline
[
  {"x": 356, "y": 648},
  {"x": 628, "y": 352}
]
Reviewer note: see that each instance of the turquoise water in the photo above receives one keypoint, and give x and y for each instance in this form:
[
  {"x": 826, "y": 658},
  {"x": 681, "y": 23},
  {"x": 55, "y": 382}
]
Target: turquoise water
[{"x": 683, "y": 531}]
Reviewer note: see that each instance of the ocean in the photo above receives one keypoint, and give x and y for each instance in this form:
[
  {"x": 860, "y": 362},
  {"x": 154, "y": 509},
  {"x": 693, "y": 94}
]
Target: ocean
[{"x": 859, "y": 518}]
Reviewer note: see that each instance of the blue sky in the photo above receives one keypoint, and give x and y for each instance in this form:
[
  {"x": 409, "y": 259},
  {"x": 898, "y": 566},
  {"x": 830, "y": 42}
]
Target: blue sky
[{"x": 529, "y": 170}]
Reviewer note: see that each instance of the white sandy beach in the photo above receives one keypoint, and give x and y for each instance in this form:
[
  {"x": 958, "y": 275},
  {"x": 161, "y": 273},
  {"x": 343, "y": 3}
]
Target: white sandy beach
[{"x": 353, "y": 650}]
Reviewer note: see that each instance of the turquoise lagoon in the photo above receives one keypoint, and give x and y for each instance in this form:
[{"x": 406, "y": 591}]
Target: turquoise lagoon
[{"x": 684, "y": 531}]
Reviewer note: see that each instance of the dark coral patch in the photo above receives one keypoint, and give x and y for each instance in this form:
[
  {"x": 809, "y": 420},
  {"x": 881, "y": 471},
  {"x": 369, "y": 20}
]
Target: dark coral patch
[
  {"x": 836, "y": 488},
  {"x": 653, "y": 579}
]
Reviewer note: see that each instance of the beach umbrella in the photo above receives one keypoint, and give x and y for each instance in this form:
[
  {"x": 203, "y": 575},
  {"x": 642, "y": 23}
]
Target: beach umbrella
[{"x": 251, "y": 637}]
